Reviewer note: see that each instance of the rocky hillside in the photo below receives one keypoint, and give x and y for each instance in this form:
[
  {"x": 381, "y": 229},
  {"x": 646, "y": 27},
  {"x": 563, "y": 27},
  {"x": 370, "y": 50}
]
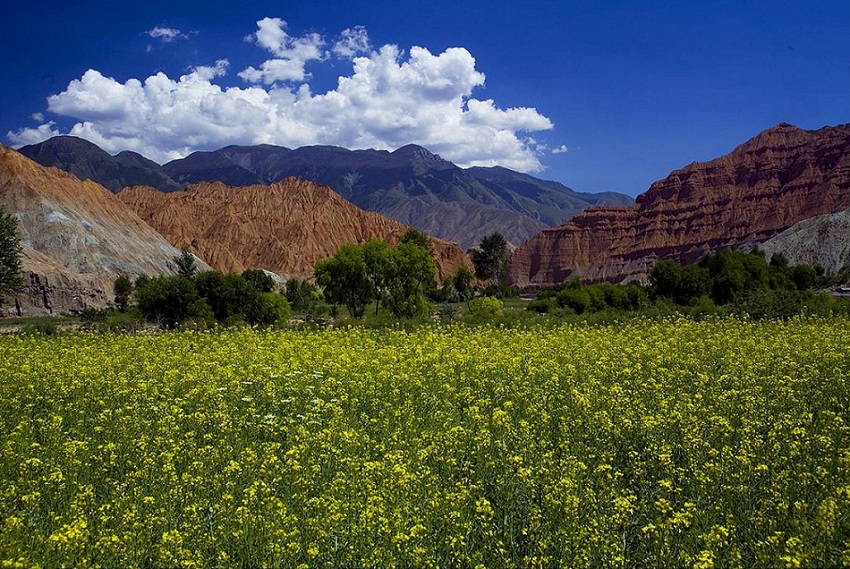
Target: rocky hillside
[
  {"x": 782, "y": 176},
  {"x": 410, "y": 184},
  {"x": 285, "y": 228},
  {"x": 77, "y": 237},
  {"x": 88, "y": 161},
  {"x": 823, "y": 240}
]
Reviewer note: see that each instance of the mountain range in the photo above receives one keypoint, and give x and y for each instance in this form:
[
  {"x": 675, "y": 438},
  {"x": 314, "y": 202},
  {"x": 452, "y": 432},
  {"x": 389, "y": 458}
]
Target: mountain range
[
  {"x": 781, "y": 190},
  {"x": 410, "y": 184},
  {"x": 77, "y": 236}
]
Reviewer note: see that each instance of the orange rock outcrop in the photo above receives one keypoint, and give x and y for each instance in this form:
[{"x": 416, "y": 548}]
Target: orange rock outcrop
[
  {"x": 764, "y": 186},
  {"x": 286, "y": 227}
]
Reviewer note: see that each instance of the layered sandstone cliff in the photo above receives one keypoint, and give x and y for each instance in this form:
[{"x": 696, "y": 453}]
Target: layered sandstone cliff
[
  {"x": 286, "y": 227},
  {"x": 77, "y": 237},
  {"x": 764, "y": 186}
]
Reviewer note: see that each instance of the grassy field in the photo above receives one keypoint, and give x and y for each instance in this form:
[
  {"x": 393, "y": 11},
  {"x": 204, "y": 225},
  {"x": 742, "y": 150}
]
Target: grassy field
[{"x": 650, "y": 443}]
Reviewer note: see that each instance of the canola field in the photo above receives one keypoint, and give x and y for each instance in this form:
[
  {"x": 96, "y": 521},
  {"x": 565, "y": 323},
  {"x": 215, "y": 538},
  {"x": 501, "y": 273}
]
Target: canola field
[{"x": 671, "y": 443}]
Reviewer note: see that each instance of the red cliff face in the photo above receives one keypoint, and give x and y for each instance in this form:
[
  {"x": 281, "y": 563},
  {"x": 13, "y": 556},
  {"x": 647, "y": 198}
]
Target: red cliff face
[
  {"x": 764, "y": 186},
  {"x": 286, "y": 227}
]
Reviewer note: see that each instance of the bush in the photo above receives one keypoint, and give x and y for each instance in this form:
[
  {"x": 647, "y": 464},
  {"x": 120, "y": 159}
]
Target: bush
[
  {"x": 577, "y": 299},
  {"x": 542, "y": 305},
  {"x": 166, "y": 300},
  {"x": 485, "y": 308}
]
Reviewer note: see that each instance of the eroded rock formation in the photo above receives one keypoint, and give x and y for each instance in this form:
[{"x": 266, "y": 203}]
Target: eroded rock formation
[
  {"x": 780, "y": 177},
  {"x": 286, "y": 227},
  {"x": 77, "y": 237}
]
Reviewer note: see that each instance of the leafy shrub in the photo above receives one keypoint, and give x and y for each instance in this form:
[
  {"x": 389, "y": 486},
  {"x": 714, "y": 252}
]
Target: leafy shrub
[{"x": 485, "y": 308}]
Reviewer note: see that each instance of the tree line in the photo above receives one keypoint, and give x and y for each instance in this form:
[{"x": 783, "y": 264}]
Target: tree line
[{"x": 728, "y": 280}]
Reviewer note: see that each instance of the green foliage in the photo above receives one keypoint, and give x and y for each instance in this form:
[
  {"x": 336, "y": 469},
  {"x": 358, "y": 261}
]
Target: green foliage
[
  {"x": 486, "y": 308},
  {"x": 345, "y": 280},
  {"x": 401, "y": 278},
  {"x": 412, "y": 276},
  {"x": 462, "y": 283},
  {"x": 167, "y": 300},
  {"x": 303, "y": 297},
  {"x": 379, "y": 261},
  {"x": 233, "y": 299},
  {"x": 185, "y": 264},
  {"x": 259, "y": 279},
  {"x": 271, "y": 309},
  {"x": 112, "y": 320},
  {"x": 491, "y": 258},
  {"x": 122, "y": 289},
  {"x": 745, "y": 280},
  {"x": 417, "y": 238},
  {"x": 575, "y": 298},
  {"x": 141, "y": 281},
  {"x": 11, "y": 277},
  {"x": 40, "y": 327}
]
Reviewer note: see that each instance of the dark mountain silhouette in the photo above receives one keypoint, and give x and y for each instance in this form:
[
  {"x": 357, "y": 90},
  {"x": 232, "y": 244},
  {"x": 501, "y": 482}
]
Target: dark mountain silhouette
[
  {"x": 410, "y": 184},
  {"x": 88, "y": 161}
]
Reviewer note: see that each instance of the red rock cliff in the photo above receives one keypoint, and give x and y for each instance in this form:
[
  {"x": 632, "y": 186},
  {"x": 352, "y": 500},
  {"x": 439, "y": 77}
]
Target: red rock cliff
[
  {"x": 286, "y": 227},
  {"x": 764, "y": 186}
]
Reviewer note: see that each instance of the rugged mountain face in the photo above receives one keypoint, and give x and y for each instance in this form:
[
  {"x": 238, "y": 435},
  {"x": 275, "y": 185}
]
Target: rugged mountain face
[
  {"x": 780, "y": 177},
  {"x": 411, "y": 185},
  {"x": 77, "y": 237},
  {"x": 285, "y": 228},
  {"x": 823, "y": 240},
  {"x": 88, "y": 161}
]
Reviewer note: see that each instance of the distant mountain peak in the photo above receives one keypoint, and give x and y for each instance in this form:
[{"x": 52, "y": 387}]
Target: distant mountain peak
[{"x": 410, "y": 184}]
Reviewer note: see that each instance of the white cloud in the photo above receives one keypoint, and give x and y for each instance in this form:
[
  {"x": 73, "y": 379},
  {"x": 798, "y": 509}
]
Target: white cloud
[
  {"x": 561, "y": 149},
  {"x": 26, "y": 136},
  {"x": 291, "y": 54},
  {"x": 167, "y": 35},
  {"x": 352, "y": 42},
  {"x": 38, "y": 117},
  {"x": 389, "y": 99}
]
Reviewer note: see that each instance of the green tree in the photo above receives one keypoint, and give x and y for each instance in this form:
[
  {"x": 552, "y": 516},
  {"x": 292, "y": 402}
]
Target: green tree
[
  {"x": 804, "y": 276},
  {"x": 167, "y": 300},
  {"x": 345, "y": 279},
  {"x": 413, "y": 274},
  {"x": 665, "y": 277},
  {"x": 379, "y": 267},
  {"x": 186, "y": 264},
  {"x": 122, "y": 290},
  {"x": 303, "y": 296},
  {"x": 416, "y": 237},
  {"x": 11, "y": 277},
  {"x": 462, "y": 283},
  {"x": 491, "y": 258},
  {"x": 576, "y": 298},
  {"x": 259, "y": 279}
]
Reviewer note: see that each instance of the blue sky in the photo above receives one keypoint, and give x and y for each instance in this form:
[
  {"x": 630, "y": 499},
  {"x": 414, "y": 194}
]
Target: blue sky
[{"x": 599, "y": 95}]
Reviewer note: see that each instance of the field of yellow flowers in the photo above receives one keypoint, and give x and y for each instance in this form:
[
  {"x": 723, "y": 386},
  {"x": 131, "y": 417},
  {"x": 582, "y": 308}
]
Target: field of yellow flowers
[{"x": 647, "y": 443}]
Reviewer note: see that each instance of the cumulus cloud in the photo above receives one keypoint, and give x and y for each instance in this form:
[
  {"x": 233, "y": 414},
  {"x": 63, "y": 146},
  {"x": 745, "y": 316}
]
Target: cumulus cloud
[
  {"x": 352, "y": 42},
  {"x": 291, "y": 53},
  {"x": 560, "y": 149},
  {"x": 26, "y": 136},
  {"x": 167, "y": 35},
  {"x": 390, "y": 98}
]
